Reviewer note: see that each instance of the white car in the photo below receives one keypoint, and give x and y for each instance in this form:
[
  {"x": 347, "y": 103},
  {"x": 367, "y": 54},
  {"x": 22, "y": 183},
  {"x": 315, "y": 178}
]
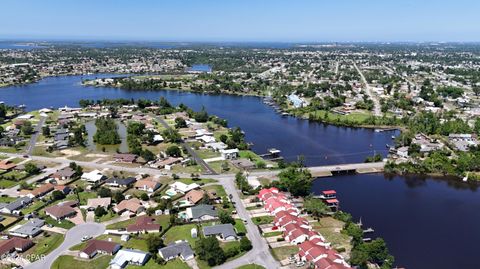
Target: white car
[
  {"x": 300, "y": 264},
  {"x": 86, "y": 238}
]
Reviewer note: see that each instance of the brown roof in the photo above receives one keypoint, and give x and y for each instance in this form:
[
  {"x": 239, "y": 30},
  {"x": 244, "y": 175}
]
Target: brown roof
[
  {"x": 144, "y": 223},
  {"x": 146, "y": 182},
  {"x": 126, "y": 157},
  {"x": 14, "y": 243},
  {"x": 6, "y": 165},
  {"x": 42, "y": 190},
  {"x": 60, "y": 210},
  {"x": 100, "y": 245},
  {"x": 194, "y": 196},
  {"x": 131, "y": 205}
]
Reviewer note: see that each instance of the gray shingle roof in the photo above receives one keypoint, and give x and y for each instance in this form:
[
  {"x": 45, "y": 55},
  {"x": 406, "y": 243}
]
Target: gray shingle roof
[
  {"x": 224, "y": 230},
  {"x": 30, "y": 228},
  {"x": 17, "y": 204},
  {"x": 176, "y": 249},
  {"x": 202, "y": 210}
]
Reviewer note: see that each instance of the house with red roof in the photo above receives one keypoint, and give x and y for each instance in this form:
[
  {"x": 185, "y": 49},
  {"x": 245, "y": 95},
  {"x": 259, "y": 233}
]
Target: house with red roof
[
  {"x": 14, "y": 244},
  {"x": 144, "y": 224}
]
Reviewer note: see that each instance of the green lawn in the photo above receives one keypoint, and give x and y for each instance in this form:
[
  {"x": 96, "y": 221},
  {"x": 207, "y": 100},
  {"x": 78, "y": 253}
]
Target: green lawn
[
  {"x": 240, "y": 227},
  {"x": 207, "y": 154},
  {"x": 6, "y": 199},
  {"x": 135, "y": 242},
  {"x": 6, "y": 184},
  {"x": 271, "y": 234},
  {"x": 151, "y": 264},
  {"x": 202, "y": 180},
  {"x": 262, "y": 220},
  {"x": 45, "y": 244},
  {"x": 63, "y": 262},
  {"x": 163, "y": 220},
  {"x": 33, "y": 207},
  {"x": 109, "y": 216},
  {"x": 218, "y": 189},
  {"x": 84, "y": 196},
  {"x": 66, "y": 224},
  {"x": 181, "y": 232},
  {"x": 282, "y": 253}
]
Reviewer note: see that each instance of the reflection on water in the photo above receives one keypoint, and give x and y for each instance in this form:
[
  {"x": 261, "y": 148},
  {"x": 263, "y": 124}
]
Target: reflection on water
[{"x": 122, "y": 131}]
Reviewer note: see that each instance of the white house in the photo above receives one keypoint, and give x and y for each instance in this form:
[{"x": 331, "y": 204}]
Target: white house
[
  {"x": 93, "y": 177},
  {"x": 129, "y": 256},
  {"x": 229, "y": 154}
]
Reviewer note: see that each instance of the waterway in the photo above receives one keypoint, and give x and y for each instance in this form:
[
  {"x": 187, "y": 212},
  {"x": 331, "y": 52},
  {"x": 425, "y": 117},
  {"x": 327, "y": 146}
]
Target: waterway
[{"x": 427, "y": 223}]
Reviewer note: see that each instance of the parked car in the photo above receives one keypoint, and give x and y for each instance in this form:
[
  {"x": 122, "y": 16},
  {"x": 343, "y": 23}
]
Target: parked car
[{"x": 86, "y": 238}]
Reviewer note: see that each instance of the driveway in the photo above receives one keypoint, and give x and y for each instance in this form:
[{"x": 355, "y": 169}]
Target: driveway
[{"x": 72, "y": 238}]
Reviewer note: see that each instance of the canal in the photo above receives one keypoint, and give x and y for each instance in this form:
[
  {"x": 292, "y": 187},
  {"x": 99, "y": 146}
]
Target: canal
[{"x": 427, "y": 223}]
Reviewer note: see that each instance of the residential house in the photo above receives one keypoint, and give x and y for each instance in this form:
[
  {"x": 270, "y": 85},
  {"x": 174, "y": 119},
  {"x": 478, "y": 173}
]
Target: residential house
[
  {"x": 195, "y": 196},
  {"x": 62, "y": 210},
  {"x": 223, "y": 232},
  {"x": 125, "y": 157},
  {"x": 41, "y": 191},
  {"x": 15, "y": 206},
  {"x": 104, "y": 202},
  {"x": 229, "y": 154},
  {"x": 182, "y": 187},
  {"x": 14, "y": 244},
  {"x": 125, "y": 257},
  {"x": 147, "y": 185},
  {"x": 94, "y": 177},
  {"x": 166, "y": 163},
  {"x": 132, "y": 206},
  {"x": 144, "y": 224},
  {"x": 120, "y": 182},
  {"x": 66, "y": 173},
  {"x": 30, "y": 229},
  {"x": 7, "y": 165},
  {"x": 178, "y": 249},
  {"x": 95, "y": 247},
  {"x": 201, "y": 213}
]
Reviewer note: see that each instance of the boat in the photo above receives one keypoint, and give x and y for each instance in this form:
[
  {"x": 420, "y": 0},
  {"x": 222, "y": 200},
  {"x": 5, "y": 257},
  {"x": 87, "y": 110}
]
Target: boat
[
  {"x": 393, "y": 137},
  {"x": 284, "y": 114},
  {"x": 465, "y": 178}
]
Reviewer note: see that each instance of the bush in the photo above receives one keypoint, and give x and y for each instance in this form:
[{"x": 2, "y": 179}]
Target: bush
[{"x": 245, "y": 244}]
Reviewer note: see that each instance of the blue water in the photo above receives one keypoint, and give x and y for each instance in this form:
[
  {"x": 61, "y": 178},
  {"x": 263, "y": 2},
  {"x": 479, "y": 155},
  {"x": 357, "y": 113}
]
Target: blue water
[
  {"x": 19, "y": 46},
  {"x": 200, "y": 68},
  {"x": 319, "y": 143}
]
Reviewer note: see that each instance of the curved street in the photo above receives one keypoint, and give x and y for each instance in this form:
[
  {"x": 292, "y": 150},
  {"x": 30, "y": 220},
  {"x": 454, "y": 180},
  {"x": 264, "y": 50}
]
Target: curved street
[{"x": 72, "y": 238}]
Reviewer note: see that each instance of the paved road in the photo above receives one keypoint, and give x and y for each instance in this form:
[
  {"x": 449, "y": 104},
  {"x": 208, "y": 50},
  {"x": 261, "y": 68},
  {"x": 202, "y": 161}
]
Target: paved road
[
  {"x": 33, "y": 139},
  {"x": 260, "y": 253},
  {"x": 195, "y": 156},
  {"x": 72, "y": 238},
  {"x": 376, "y": 103}
]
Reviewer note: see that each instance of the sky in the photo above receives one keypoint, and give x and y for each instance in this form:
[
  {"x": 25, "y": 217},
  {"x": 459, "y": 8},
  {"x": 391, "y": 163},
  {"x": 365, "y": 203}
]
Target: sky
[{"x": 242, "y": 20}]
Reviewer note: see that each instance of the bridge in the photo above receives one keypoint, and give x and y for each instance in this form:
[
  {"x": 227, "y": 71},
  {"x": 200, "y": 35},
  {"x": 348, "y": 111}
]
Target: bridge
[
  {"x": 360, "y": 168},
  {"x": 327, "y": 170}
]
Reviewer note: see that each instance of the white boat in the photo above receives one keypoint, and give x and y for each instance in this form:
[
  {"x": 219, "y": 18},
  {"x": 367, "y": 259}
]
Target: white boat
[{"x": 465, "y": 178}]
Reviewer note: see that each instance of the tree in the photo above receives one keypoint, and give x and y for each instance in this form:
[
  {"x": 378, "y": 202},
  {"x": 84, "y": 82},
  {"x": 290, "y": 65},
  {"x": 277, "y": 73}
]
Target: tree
[
  {"x": 173, "y": 151},
  {"x": 144, "y": 196},
  {"x": 208, "y": 249},
  {"x": 57, "y": 195},
  {"x": 297, "y": 181},
  {"x": 180, "y": 123},
  {"x": 104, "y": 192},
  {"x": 100, "y": 211},
  {"x": 147, "y": 155},
  {"x": 118, "y": 196},
  {"x": 225, "y": 217},
  {"x": 314, "y": 206},
  {"x": 106, "y": 133},
  {"x": 201, "y": 116},
  {"x": 27, "y": 128},
  {"x": 171, "y": 135},
  {"x": 154, "y": 242},
  {"x": 31, "y": 168},
  {"x": 245, "y": 244},
  {"x": 46, "y": 131}
]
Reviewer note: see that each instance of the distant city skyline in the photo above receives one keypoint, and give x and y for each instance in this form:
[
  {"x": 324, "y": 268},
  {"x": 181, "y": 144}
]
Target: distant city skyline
[{"x": 242, "y": 21}]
